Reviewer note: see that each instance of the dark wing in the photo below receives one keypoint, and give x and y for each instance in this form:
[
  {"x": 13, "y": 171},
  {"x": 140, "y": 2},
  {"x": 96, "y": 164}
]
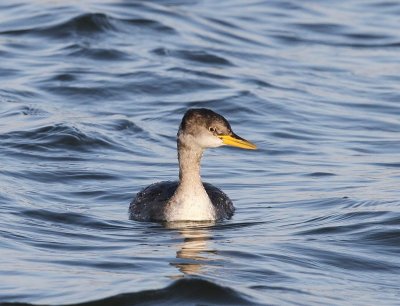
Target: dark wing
[
  {"x": 223, "y": 205},
  {"x": 150, "y": 203}
]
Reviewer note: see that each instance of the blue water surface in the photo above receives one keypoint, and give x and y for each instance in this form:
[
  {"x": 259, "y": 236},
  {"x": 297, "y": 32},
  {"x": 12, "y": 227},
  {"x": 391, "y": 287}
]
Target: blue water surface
[{"x": 91, "y": 96}]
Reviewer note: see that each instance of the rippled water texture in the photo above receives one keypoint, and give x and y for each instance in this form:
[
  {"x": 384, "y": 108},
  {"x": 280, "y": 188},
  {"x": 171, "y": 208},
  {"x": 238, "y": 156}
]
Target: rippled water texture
[{"x": 91, "y": 96}]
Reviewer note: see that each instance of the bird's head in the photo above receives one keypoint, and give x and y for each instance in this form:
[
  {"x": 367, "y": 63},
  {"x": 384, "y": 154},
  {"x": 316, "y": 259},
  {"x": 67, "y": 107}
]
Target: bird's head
[{"x": 207, "y": 129}]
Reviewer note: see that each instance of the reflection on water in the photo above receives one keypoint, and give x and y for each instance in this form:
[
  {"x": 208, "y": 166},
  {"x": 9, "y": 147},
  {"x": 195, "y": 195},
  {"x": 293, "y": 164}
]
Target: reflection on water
[{"x": 191, "y": 251}]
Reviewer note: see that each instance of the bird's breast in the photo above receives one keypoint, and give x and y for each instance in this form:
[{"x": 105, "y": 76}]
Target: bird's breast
[{"x": 192, "y": 205}]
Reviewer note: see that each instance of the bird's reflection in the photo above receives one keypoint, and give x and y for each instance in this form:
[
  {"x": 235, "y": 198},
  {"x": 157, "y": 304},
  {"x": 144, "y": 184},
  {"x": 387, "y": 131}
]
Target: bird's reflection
[{"x": 192, "y": 252}]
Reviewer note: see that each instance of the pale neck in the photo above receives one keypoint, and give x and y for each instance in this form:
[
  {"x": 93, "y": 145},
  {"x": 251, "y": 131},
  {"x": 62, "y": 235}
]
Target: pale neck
[
  {"x": 189, "y": 165},
  {"x": 190, "y": 200}
]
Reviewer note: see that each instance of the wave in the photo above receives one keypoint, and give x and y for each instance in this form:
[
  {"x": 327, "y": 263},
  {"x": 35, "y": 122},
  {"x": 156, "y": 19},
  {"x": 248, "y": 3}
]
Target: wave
[
  {"x": 199, "y": 56},
  {"x": 90, "y": 24},
  {"x": 186, "y": 291},
  {"x": 42, "y": 130},
  {"x": 54, "y": 136}
]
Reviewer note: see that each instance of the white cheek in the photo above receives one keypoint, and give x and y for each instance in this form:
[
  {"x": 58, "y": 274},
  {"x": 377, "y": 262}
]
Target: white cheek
[{"x": 209, "y": 141}]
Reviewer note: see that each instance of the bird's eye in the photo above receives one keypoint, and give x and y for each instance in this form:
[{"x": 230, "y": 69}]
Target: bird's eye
[{"x": 211, "y": 129}]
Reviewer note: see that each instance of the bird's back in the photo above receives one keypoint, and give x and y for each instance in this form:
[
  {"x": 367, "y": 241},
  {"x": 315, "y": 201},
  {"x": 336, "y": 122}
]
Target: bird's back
[{"x": 150, "y": 203}]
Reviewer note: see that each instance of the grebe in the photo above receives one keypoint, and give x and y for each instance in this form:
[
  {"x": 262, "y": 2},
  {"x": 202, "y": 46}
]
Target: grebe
[{"x": 189, "y": 199}]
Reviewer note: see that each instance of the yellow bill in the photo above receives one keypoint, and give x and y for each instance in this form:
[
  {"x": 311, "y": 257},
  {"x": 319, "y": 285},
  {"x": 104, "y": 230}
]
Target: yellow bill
[{"x": 236, "y": 141}]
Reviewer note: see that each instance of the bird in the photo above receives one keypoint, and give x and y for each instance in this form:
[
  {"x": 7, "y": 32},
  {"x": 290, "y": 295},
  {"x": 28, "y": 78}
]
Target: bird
[{"x": 189, "y": 199}]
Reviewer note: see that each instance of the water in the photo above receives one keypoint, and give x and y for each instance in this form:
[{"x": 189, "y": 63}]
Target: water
[{"x": 91, "y": 96}]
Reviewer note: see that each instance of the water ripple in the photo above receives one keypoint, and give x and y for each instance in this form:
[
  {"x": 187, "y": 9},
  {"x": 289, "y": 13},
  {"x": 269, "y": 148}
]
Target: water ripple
[
  {"x": 91, "y": 99},
  {"x": 185, "y": 291}
]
